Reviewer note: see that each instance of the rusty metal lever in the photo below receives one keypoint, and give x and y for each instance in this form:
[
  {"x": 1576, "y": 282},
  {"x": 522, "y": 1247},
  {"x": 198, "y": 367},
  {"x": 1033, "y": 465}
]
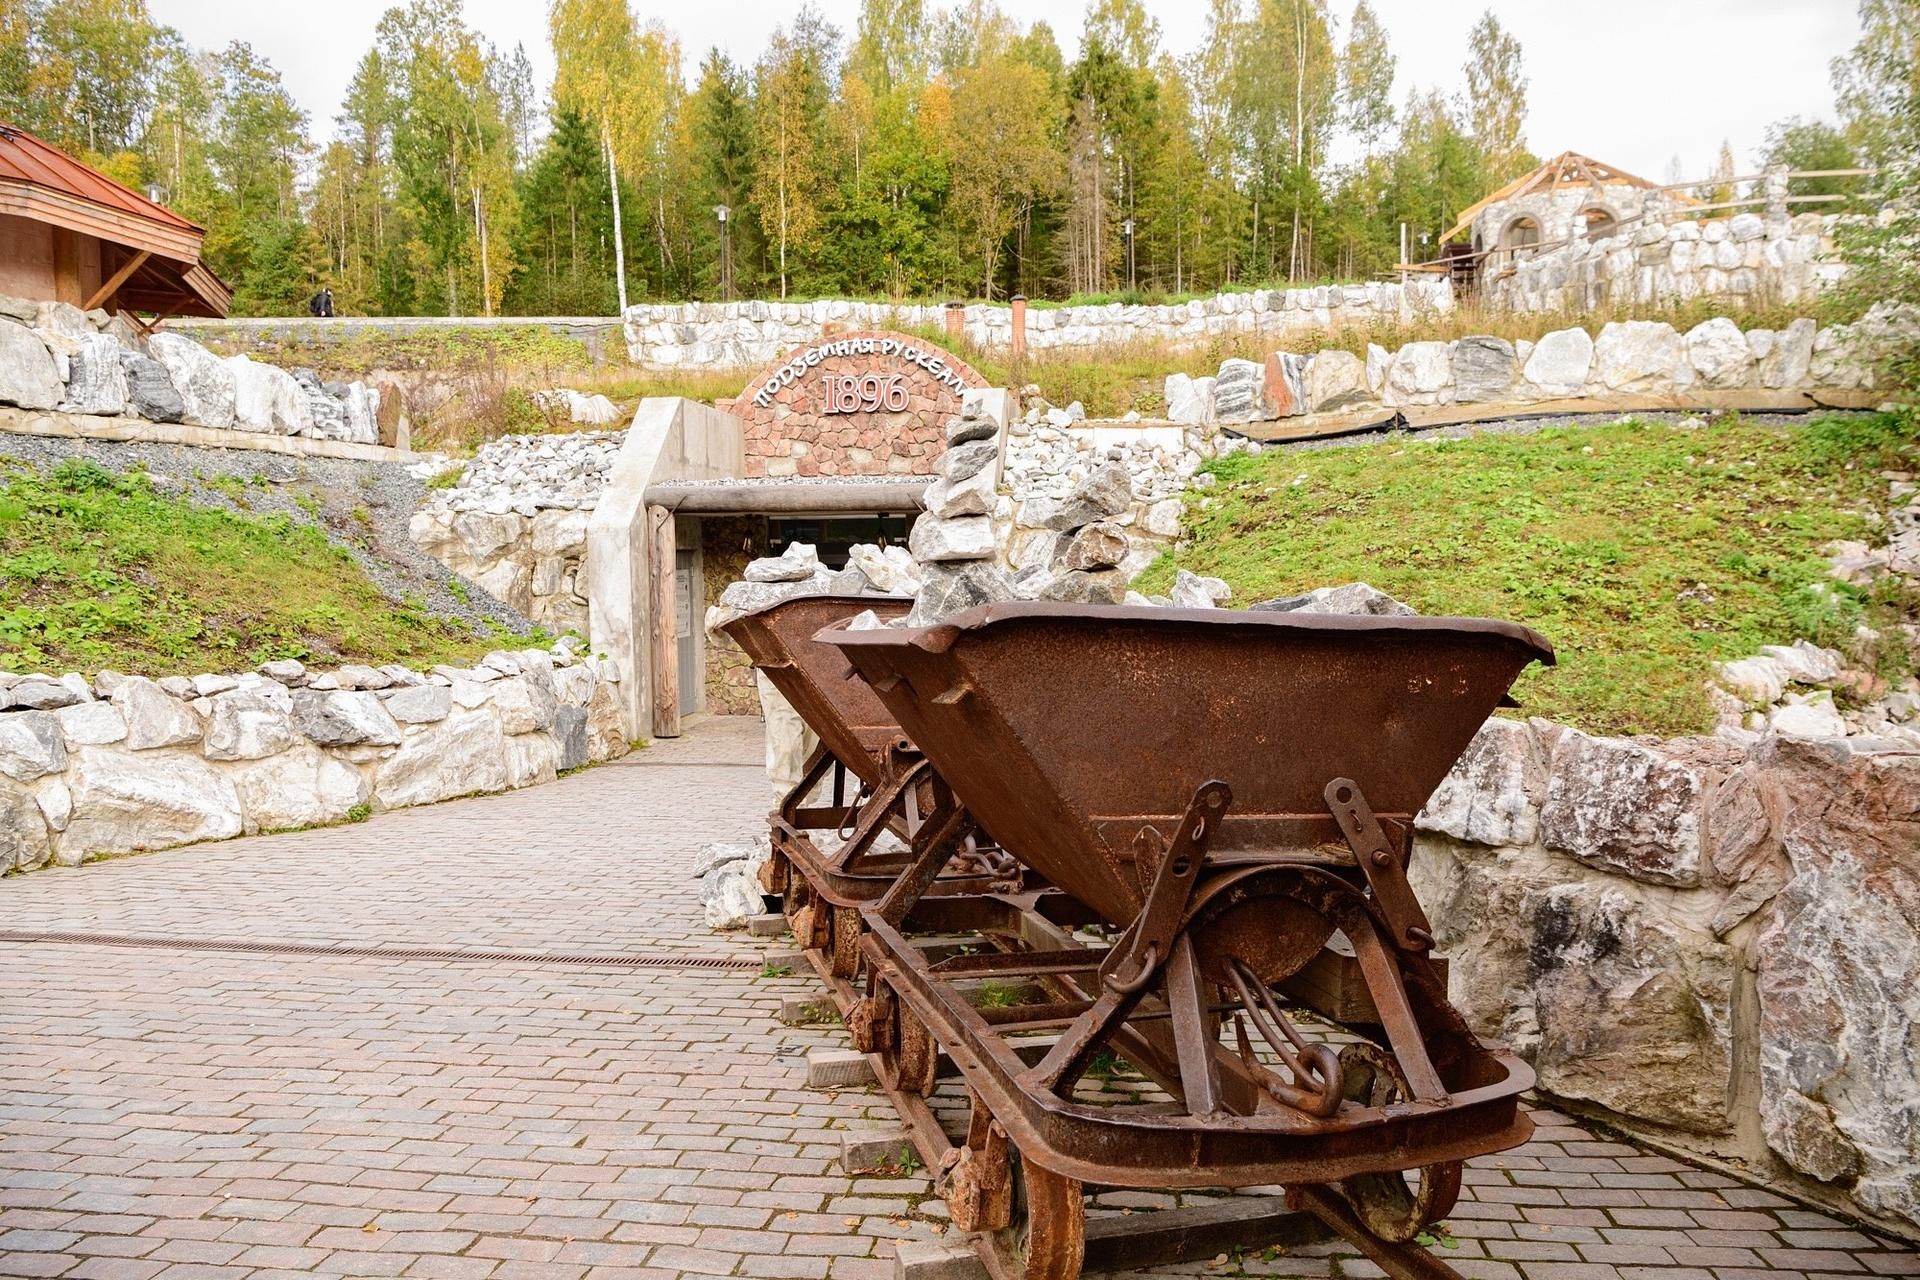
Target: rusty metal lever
[
  {"x": 1149, "y": 940},
  {"x": 1381, "y": 866}
]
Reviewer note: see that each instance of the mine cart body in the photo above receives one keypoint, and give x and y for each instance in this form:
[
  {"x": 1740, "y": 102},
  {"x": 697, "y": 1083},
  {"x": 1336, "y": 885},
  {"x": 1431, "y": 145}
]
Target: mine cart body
[
  {"x": 1067, "y": 727},
  {"x": 885, "y": 804},
  {"x": 1232, "y": 794},
  {"x": 840, "y": 708}
]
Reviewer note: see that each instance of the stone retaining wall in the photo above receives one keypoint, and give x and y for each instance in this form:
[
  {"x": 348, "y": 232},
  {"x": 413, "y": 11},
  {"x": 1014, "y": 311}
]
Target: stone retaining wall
[
  {"x": 741, "y": 334},
  {"x": 1632, "y": 358},
  {"x": 1745, "y": 258},
  {"x": 123, "y": 763},
  {"x": 1685, "y": 933},
  {"x": 90, "y": 364},
  {"x": 535, "y": 565}
]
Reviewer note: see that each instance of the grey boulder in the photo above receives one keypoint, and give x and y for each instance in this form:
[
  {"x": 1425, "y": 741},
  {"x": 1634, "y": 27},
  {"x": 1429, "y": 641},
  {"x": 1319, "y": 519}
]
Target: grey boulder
[{"x": 150, "y": 391}]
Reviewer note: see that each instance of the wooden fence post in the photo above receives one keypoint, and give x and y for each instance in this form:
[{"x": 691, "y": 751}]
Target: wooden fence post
[{"x": 664, "y": 645}]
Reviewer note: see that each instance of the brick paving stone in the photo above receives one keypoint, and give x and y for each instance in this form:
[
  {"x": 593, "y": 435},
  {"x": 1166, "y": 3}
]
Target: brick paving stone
[
  {"x": 1714, "y": 1256},
  {"x": 116, "y": 1269},
  {"x": 1812, "y": 1260},
  {"x": 194, "y": 1114},
  {"x": 1627, "y": 1254},
  {"x": 1531, "y": 1250}
]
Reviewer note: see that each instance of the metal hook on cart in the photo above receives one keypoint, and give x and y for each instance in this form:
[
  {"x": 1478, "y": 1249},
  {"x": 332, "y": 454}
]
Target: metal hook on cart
[{"x": 1317, "y": 1085}]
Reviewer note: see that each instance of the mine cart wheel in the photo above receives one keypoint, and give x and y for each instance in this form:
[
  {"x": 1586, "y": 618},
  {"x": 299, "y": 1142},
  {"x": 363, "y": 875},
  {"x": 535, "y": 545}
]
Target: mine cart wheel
[
  {"x": 845, "y": 940},
  {"x": 807, "y": 914},
  {"x": 1389, "y": 1207},
  {"x": 792, "y": 903},
  {"x": 1049, "y": 1237},
  {"x": 774, "y": 873},
  {"x": 914, "y": 1056}
]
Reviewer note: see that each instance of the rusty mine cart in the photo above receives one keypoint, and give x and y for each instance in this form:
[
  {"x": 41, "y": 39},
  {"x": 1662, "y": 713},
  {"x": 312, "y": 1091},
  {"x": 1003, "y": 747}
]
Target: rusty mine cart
[
  {"x": 1214, "y": 813},
  {"x": 884, "y": 801}
]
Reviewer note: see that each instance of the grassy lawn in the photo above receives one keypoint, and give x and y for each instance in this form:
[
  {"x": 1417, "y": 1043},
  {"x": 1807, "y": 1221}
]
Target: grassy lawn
[
  {"x": 1645, "y": 553},
  {"x": 99, "y": 570},
  {"x": 360, "y": 352}
]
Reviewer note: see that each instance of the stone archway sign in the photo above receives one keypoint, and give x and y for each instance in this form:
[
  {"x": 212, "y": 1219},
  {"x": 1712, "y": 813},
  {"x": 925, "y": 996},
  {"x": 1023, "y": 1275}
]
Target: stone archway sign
[{"x": 866, "y": 403}]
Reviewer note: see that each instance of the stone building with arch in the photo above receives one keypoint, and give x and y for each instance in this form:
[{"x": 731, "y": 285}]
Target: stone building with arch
[{"x": 1571, "y": 196}]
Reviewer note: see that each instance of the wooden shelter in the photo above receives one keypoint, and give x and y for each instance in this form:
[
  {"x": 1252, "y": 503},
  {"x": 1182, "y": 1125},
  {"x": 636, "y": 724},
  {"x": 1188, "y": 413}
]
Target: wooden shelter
[{"x": 69, "y": 233}]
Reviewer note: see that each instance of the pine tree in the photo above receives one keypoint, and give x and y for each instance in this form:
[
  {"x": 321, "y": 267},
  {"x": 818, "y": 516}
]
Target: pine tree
[
  {"x": 451, "y": 156},
  {"x": 260, "y": 241},
  {"x": 720, "y": 138},
  {"x": 565, "y": 239}
]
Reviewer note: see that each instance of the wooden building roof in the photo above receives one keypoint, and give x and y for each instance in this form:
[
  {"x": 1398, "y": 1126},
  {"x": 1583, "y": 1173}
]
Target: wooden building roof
[
  {"x": 159, "y": 268},
  {"x": 1568, "y": 169}
]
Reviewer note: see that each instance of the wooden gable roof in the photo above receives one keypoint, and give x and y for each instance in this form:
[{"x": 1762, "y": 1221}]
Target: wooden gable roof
[
  {"x": 158, "y": 268},
  {"x": 1568, "y": 169}
]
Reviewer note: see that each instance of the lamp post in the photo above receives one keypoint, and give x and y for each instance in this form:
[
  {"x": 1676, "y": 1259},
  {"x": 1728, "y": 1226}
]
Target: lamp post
[
  {"x": 1126, "y": 229},
  {"x": 721, "y": 212}
]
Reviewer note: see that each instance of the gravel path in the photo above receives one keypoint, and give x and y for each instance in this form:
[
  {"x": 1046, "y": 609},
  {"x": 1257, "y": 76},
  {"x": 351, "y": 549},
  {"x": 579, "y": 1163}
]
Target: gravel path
[{"x": 363, "y": 507}]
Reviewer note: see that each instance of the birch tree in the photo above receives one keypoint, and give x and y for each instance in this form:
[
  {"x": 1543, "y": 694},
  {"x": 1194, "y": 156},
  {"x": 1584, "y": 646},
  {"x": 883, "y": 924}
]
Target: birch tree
[
  {"x": 790, "y": 103},
  {"x": 1497, "y": 97}
]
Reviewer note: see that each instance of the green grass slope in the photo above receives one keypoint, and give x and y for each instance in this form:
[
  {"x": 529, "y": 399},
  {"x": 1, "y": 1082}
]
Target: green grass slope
[
  {"x": 99, "y": 570},
  {"x": 1645, "y": 552}
]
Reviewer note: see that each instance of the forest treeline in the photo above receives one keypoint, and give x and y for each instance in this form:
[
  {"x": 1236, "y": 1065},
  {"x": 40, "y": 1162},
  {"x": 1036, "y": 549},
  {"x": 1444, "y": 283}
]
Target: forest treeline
[{"x": 928, "y": 153}]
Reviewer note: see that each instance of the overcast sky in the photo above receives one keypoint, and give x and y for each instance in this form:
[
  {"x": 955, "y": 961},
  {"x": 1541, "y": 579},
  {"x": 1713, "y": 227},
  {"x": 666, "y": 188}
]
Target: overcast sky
[{"x": 1631, "y": 82}]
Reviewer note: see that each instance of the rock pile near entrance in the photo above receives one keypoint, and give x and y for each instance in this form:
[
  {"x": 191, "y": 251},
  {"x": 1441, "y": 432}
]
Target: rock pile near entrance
[
  {"x": 523, "y": 475},
  {"x": 953, "y": 540}
]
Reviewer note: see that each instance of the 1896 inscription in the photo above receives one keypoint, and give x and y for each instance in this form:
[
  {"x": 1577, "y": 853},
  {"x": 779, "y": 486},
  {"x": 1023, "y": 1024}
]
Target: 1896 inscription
[{"x": 864, "y": 392}]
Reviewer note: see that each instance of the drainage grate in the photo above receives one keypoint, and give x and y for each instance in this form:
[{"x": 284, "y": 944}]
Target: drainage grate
[
  {"x": 617, "y": 960},
  {"x": 695, "y": 764}
]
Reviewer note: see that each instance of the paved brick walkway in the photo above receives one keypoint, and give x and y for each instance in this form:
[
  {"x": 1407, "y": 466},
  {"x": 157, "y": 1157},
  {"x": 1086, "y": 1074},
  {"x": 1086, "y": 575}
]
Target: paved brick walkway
[{"x": 179, "y": 1113}]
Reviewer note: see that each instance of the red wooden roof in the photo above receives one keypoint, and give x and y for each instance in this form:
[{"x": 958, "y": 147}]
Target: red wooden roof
[
  {"x": 158, "y": 249},
  {"x": 24, "y": 158}
]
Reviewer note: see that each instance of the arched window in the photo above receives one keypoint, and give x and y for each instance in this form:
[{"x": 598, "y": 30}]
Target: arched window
[
  {"x": 1599, "y": 221},
  {"x": 1521, "y": 233}
]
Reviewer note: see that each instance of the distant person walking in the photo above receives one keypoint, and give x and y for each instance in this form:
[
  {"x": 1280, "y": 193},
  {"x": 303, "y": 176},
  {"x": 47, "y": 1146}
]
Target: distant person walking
[{"x": 321, "y": 304}]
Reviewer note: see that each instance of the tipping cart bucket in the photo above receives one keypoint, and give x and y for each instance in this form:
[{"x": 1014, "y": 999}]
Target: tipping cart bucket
[
  {"x": 1068, "y": 728},
  {"x": 817, "y": 680},
  {"x": 900, "y": 809},
  {"x": 1228, "y": 791}
]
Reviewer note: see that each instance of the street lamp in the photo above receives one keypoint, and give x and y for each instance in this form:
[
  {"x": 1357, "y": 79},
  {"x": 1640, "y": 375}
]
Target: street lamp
[
  {"x": 1126, "y": 229},
  {"x": 156, "y": 193},
  {"x": 721, "y": 211}
]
